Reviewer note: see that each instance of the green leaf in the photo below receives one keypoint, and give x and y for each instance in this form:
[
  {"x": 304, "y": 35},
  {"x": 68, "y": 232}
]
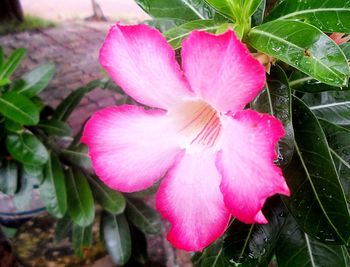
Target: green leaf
[
  {"x": 67, "y": 106},
  {"x": 258, "y": 16},
  {"x": 35, "y": 81},
  {"x": 276, "y": 100},
  {"x": 251, "y": 245},
  {"x": 346, "y": 49},
  {"x": 332, "y": 106},
  {"x": 139, "y": 245},
  {"x": 327, "y": 15},
  {"x": 81, "y": 206},
  {"x": 304, "y": 47},
  {"x": 142, "y": 216},
  {"x": 2, "y": 58},
  {"x": 339, "y": 142},
  {"x": 77, "y": 156},
  {"x": 53, "y": 190},
  {"x": 229, "y": 8},
  {"x": 8, "y": 177},
  {"x": 27, "y": 149},
  {"x": 180, "y": 10},
  {"x": 296, "y": 248},
  {"x": 81, "y": 239},
  {"x": 176, "y": 35},
  {"x": 13, "y": 126},
  {"x": 110, "y": 200},
  {"x": 55, "y": 127},
  {"x": 317, "y": 201},
  {"x": 116, "y": 234},
  {"x": 63, "y": 228},
  {"x": 10, "y": 65},
  {"x": 19, "y": 108},
  {"x": 33, "y": 173}
]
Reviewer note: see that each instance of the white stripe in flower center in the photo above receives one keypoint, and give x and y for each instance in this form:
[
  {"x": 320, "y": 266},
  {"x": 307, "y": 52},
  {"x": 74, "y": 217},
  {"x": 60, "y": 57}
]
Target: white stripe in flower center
[{"x": 198, "y": 125}]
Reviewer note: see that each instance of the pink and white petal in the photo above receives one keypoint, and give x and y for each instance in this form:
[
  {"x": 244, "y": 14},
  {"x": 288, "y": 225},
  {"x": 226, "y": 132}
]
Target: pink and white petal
[
  {"x": 130, "y": 148},
  {"x": 221, "y": 70},
  {"x": 190, "y": 198},
  {"x": 246, "y": 163},
  {"x": 139, "y": 59}
]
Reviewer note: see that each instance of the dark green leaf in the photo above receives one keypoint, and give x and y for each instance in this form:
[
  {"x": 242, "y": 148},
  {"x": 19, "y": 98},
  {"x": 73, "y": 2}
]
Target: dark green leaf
[
  {"x": 116, "y": 233},
  {"x": 275, "y": 99},
  {"x": 176, "y": 35},
  {"x": 139, "y": 245},
  {"x": 78, "y": 156},
  {"x": 63, "y": 228},
  {"x": 184, "y": 10},
  {"x": 295, "y": 248},
  {"x": 19, "y": 108},
  {"x": 142, "y": 216},
  {"x": 35, "y": 81},
  {"x": 80, "y": 200},
  {"x": 229, "y": 8},
  {"x": 110, "y": 200},
  {"x": 346, "y": 49},
  {"x": 339, "y": 142},
  {"x": 317, "y": 201},
  {"x": 252, "y": 245},
  {"x": 332, "y": 106},
  {"x": 10, "y": 65},
  {"x": 82, "y": 238},
  {"x": 8, "y": 177},
  {"x": 67, "y": 106},
  {"x": 27, "y": 149},
  {"x": 13, "y": 126},
  {"x": 55, "y": 127},
  {"x": 327, "y": 15},
  {"x": 304, "y": 47},
  {"x": 53, "y": 190},
  {"x": 258, "y": 16}
]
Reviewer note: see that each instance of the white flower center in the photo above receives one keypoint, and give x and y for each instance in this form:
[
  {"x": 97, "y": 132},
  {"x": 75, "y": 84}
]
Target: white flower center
[{"x": 198, "y": 125}]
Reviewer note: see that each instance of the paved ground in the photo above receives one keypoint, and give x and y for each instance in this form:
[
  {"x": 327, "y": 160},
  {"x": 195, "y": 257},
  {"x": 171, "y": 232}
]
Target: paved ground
[{"x": 73, "y": 47}]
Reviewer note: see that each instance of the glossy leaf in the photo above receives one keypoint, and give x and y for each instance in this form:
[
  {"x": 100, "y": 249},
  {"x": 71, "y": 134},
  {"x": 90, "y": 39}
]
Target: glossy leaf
[
  {"x": 10, "y": 65},
  {"x": 55, "y": 127},
  {"x": 295, "y": 248},
  {"x": 35, "y": 81},
  {"x": 78, "y": 156},
  {"x": 346, "y": 49},
  {"x": 116, "y": 234},
  {"x": 180, "y": 10},
  {"x": 258, "y": 16},
  {"x": 110, "y": 200},
  {"x": 339, "y": 142},
  {"x": 317, "y": 201},
  {"x": 27, "y": 149},
  {"x": 13, "y": 126},
  {"x": 53, "y": 190},
  {"x": 33, "y": 173},
  {"x": 332, "y": 106},
  {"x": 304, "y": 47},
  {"x": 81, "y": 206},
  {"x": 67, "y": 106},
  {"x": 176, "y": 35},
  {"x": 81, "y": 239},
  {"x": 229, "y": 8},
  {"x": 63, "y": 228},
  {"x": 8, "y": 177},
  {"x": 275, "y": 99},
  {"x": 327, "y": 15},
  {"x": 19, "y": 108},
  {"x": 142, "y": 216},
  {"x": 251, "y": 245}
]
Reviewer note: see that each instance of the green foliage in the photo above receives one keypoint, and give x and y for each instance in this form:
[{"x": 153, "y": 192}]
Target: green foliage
[{"x": 30, "y": 23}]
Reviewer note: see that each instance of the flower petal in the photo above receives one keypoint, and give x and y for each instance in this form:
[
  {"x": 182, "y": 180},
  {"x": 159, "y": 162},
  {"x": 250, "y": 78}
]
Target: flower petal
[
  {"x": 190, "y": 198},
  {"x": 246, "y": 163},
  {"x": 221, "y": 70},
  {"x": 130, "y": 148},
  {"x": 139, "y": 59}
]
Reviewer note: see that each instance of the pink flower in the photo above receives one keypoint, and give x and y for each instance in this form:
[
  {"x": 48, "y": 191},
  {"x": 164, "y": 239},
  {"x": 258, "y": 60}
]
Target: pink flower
[
  {"x": 216, "y": 159},
  {"x": 339, "y": 38}
]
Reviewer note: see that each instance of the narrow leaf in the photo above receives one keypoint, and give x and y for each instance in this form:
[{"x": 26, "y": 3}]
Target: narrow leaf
[
  {"x": 63, "y": 228},
  {"x": 55, "y": 127},
  {"x": 80, "y": 200},
  {"x": 19, "y": 108},
  {"x": 82, "y": 239},
  {"x": 10, "y": 65},
  {"x": 116, "y": 234},
  {"x": 77, "y": 156}
]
